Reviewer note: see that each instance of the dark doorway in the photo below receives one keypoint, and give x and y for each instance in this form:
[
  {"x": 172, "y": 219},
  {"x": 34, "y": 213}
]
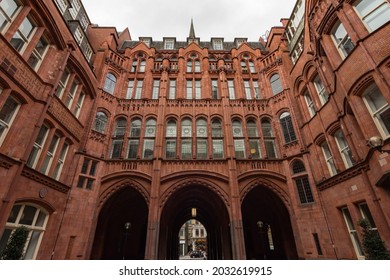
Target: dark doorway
[
  {"x": 121, "y": 228},
  {"x": 210, "y": 211},
  {"x": 267, "y": 226}
]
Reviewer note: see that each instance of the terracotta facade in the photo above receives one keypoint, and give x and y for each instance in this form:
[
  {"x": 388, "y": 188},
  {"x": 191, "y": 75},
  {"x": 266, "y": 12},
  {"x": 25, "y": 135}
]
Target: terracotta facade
[{"x": 266, "y": 140}]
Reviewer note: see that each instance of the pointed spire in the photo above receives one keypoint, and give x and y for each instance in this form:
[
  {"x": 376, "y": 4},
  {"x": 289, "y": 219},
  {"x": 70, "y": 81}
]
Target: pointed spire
[{"x": 192, "y": 30}]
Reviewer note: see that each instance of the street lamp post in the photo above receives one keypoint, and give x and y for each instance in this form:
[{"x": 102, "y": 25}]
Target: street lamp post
[{"x": 127, "y": 227}]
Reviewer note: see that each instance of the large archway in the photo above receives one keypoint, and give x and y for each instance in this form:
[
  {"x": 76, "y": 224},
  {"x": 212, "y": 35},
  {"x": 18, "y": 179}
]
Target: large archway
[
  {"x": 210, "y": 211},
  {"x": 121, "y": 228},
  {"x": 267, "y": 226}
]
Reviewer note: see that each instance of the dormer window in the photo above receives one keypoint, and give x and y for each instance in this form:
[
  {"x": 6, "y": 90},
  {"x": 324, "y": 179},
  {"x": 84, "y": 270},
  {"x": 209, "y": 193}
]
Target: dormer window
[
  {"x": 217, "y": 44},
  {"x": 169, "y": 44},
  {"x": 239, "y": 41},
  {"x": 146, "y": 41}
]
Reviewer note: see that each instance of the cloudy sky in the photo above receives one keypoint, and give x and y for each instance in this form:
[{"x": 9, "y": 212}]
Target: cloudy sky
[{"x": 172, "y": 18}]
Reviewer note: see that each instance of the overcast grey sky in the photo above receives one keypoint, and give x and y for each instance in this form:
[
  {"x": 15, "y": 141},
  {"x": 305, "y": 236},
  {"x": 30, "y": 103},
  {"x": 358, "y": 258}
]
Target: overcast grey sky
[{"x": 172, "y": 18}]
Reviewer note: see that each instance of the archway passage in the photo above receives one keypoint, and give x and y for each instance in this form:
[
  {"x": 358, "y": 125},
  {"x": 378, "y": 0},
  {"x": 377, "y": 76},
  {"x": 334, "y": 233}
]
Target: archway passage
[
  {"x": 121, "y": 228},
  {"x": 267, "y": 226},
  {"x": 210, "y": 211}
]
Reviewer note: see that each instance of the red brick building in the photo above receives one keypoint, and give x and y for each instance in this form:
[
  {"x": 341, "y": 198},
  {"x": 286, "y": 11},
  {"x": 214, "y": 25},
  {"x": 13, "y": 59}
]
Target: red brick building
[{"x": 108, "y": 145}]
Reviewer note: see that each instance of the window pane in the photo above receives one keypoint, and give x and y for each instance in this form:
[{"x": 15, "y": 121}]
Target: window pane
[
  {"x": 170, "y": 149},
  {"x": 378, "y": 17},
  {"x": 304, "y": 190},
  {"x": 287, "y": 127},
  {"x": 4, "y": 238},
  {"x": 254, "y": 147},
  {"x": 133, "y": 149},
  {"x": 201, "y": 149},
  {"x": 231, "y": 89},
  {"x": 270, "y": 148},
  {"x": 266, "y": 128},
  {"x": 252, "y": 129},
  {"x": 237, "y": 129},
  {"x": 171, "y": 129},
  {"x": 135, "y": 130},
  {"x": 276, "y": 85},
  {"x": 100, "y": 122},
  {"x": 148, "y": 149},
  {"x": 217, "y": 149},
  {"x": 28, "y": 215},
  {"x": 26, "y": 27},
  {"x": 216, "y": 128},
  {"x": 150, "y": 128},
  {"x": 239, "y": 148},
  {"x": 14, "y": 214},
  {"x": 366, "y": 213},
  {"x": 8, "y": 110},
  {"x": 32, "y": 244},
  {"x": 298, "y": 167},
  {"x": 116, "y": 148},
  {"x": 186, "y": 149},
  {"x": 374, "y": 12},
  {"x": 41, "y": 219},
  {"x": 110, "y": 83},
  {"x": 201, "y": 128},
  {"x": 186, "y": 128}
]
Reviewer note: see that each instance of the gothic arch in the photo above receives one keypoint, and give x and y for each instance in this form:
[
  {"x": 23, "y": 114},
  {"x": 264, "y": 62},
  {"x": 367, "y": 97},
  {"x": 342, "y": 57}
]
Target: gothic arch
[
  {"x": 276, "y": 188},
  {"x": 194, "y": 181},
  {"x": 126, "y": 183}
]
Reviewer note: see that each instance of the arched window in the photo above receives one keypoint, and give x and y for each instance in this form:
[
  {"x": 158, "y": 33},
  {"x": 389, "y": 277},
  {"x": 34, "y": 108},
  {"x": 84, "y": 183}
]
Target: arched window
[
  {"x": 193, "y": 65},
  {"x": 201, "y": 141},
  {"x": 171, "y": 128},
  {"x": 186, "y": 128},
  {"x": 135, "y": 133},
  {"x": 186, "y": 141},
  {"x": 239, "y": 142},
  {"x": 134, "y": 66},
  {"x": 276, "y": 84},
  {"x": 197, "y": 66},
  {"x": 298, "y": 167},
  {"x": 118, "y": 135},
  {"x": 109, "y": 85},
  {"x": 287, "y": 128},
  {"x": 170, "y": 139},
  {"x": 150, "y": 134},
  {"x": 100, "y": 122},
  {"x": 253, "y": 139},
  {"x": 31, "y": 217},
  {"x": 269, "y": 139},
  {"x": 329, "y": 158},
  {"x": 244, "y": 67},
  {"x": 309, "y": 103},
  {"x": 189, "y": 66},
  {"x": 217, "y": 138},
  {"x": 302, "y": 182}
]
